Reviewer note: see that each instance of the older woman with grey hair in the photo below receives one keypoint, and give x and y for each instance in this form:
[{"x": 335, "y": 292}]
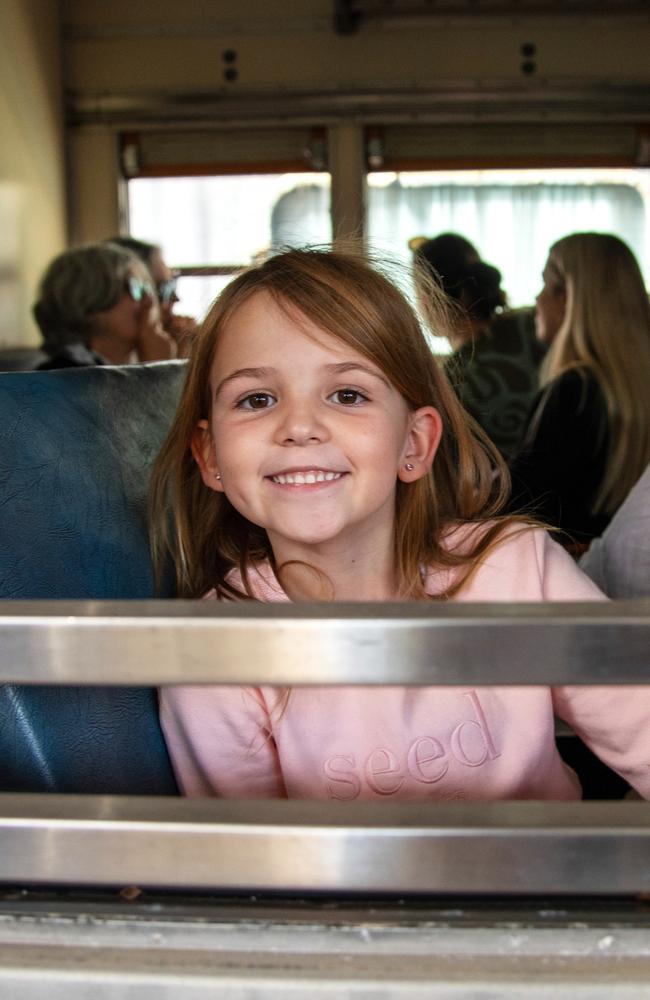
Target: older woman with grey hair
[{"x": 96, "y": 306}]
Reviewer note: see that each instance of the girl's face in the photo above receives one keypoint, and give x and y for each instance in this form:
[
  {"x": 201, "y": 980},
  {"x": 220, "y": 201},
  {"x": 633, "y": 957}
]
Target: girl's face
[
  {"x": 307, "y": 435},
  {"x": 550, "y": 306}
]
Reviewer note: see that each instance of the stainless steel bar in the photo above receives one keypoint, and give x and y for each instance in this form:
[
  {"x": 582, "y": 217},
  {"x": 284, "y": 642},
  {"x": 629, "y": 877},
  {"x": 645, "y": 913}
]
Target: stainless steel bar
[
  {"x": 211, "y": 844},
  {"x": 165, "y": 642}
]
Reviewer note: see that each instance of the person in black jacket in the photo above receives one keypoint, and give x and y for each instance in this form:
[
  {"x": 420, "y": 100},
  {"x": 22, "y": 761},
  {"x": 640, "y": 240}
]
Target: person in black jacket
[{"x": 588, "y": 439}]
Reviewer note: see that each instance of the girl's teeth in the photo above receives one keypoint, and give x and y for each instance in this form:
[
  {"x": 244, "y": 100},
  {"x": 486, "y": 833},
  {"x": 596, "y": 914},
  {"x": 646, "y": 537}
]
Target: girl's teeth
[{"x": 302, "y": 478}]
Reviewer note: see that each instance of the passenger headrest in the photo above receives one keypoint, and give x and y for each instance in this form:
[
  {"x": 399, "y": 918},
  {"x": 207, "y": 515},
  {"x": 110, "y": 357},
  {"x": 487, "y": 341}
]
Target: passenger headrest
[{"x": 76, "y": 450}]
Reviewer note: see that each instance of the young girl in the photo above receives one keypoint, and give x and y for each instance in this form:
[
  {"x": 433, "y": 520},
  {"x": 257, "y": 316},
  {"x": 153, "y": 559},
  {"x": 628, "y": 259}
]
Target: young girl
[{"x": 318, "y": 453}]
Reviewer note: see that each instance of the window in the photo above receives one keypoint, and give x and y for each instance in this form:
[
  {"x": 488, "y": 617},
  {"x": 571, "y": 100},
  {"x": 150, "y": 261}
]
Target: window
[
  {"x": 209, "y": 227},
  {"x": 512, "y": 216}
]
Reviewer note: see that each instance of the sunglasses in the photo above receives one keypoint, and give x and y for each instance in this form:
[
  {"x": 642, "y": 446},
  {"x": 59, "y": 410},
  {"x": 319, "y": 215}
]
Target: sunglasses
[
  {"x": 167, "y": 290},
  {"x": 138, "y": 288}
]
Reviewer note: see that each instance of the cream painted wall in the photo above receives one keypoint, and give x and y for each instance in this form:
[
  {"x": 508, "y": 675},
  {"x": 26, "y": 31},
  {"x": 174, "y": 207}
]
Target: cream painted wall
[
  {"x": 32, "y": 171},
  {"x": 94, "y": 183}
]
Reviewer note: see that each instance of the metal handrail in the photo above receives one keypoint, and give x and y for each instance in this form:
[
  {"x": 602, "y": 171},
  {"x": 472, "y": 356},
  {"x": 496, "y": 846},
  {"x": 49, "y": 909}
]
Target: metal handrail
[
  {"x": 165, "y": 642},
  {"x": 211, "y": 844},
  {"x": 455, "y": 847}
]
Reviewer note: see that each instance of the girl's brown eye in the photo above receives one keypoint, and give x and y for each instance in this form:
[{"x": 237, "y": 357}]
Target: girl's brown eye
[
  {"x": 348, "y": 397},
  {"x": 257, "y": 401}
]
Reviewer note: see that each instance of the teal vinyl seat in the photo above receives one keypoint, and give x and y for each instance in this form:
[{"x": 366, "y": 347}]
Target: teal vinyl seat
[{"x": 76, "y": 449}]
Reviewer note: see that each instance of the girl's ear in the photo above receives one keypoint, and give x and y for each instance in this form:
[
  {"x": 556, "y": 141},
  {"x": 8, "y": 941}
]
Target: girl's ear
[
  {"x": 421, "y": 445},
  {"x": 202, "y": 447}
]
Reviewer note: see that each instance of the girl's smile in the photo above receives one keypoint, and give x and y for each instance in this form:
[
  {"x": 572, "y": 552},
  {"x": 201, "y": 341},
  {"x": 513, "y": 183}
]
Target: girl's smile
[
  {"x": 305, "y": 477},
  {"x": 307, "y": 436}
]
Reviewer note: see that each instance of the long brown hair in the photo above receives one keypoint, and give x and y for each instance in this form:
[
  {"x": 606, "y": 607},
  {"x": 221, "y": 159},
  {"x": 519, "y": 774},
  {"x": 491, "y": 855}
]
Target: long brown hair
[
  {"x": 342, "y": 294},
  {"x": 606, "y": 332}
]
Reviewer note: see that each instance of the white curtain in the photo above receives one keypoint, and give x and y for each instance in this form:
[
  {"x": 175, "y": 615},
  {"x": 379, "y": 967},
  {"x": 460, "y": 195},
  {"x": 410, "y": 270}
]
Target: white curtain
[{"x": 511, "y": 225}]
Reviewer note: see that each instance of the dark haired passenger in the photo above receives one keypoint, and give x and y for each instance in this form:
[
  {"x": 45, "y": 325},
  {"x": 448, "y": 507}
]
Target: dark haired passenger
[
  {"x": 96, "y": 306},
  {"x": 495, "y": 359}
]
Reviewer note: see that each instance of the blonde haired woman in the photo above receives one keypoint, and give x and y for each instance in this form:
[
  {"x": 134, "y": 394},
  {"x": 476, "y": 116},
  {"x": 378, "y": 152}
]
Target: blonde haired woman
[{"x": 588, "y": 440}]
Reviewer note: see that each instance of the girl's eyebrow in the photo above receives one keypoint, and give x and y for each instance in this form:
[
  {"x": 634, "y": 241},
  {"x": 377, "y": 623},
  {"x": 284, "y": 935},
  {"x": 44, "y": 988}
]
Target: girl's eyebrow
[
  {"x": 351, "y": 366},
  {"x": 243, "y": 373}
]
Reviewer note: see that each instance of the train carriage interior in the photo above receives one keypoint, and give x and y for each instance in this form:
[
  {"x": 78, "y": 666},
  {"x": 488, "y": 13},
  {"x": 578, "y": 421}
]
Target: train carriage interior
[{"x": 223, "y": 133}]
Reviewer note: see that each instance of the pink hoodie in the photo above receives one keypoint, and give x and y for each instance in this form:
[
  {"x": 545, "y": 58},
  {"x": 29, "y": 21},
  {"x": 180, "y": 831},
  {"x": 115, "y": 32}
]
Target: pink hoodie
[{"x": 412, "y": 743}]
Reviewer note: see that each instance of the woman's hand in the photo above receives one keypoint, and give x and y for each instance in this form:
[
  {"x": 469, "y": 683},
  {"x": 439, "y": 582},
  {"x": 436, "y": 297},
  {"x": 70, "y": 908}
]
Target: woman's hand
[{"x": 182, "y": 330}]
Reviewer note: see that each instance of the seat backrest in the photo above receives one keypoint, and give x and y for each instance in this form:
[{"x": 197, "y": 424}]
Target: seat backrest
[
  {"x": 20, "y": 359},
  {"x": 76, "y": 449}
]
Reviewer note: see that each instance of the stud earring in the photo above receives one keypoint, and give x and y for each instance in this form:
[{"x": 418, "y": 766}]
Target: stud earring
[
  {"x": 217, "y": 475},
  {"x": 409, "y": 467}
]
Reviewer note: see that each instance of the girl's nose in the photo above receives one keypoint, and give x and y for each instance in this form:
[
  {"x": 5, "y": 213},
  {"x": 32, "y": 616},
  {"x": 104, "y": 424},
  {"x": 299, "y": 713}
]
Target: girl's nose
[{"x": 300, "y": 423}]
